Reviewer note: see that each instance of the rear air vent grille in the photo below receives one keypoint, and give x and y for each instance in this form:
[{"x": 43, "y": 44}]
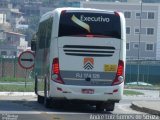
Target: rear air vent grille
[{"x": 93, "y": 51}]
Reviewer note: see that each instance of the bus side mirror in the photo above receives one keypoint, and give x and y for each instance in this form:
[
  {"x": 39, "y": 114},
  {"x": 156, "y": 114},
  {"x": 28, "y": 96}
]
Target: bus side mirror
[
  {"x": 33, "y": 45},
  {"x": 33, "y": 42}
]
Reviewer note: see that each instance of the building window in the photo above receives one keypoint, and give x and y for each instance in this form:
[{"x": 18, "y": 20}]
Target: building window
[
  {"x": 145, "y": 31},
  {"x": 136, "y": 31},
  {"x": 127, "y": 14},
  {"x": 3, "y": 52},
  {"x": 135, "y": 45},
  {"x": 127, "y": 46},
  {"x": 128, "y": 30},
  {"x": 149, "y": 47},
  {"x": 14, "y": 53},
  {"x": 9, "y": 38},
  {"x": 138, "y": 15},
  {"x": 150, "y": 31},
  {"x": 144, "y": 15},
  {"x": 150, "y": 15}
]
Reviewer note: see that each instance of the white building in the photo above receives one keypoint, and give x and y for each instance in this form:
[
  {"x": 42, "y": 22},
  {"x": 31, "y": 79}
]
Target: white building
[
  {"x": 13, "y": 45},
  {"x": 146, "y": 42}
]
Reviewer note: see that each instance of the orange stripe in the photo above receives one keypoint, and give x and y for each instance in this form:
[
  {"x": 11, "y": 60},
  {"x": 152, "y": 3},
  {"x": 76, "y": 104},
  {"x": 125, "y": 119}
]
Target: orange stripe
[{"x": 91, "y": 60}]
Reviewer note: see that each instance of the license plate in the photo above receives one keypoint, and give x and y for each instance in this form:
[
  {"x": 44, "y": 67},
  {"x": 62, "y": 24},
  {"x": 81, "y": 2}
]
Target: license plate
[
  {"x": 87, "y": 91},
  {"x": 110, "y": 68}
]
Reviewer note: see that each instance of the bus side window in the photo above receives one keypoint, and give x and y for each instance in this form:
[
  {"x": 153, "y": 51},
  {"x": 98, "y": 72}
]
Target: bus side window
[
  {"x": 41, "y": 35},
  {"x": 48, "y": 32},
  {"x": 44, "y": 33}
]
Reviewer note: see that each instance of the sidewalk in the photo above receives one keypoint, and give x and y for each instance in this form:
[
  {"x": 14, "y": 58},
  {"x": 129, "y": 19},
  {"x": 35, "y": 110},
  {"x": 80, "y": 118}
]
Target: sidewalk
[
  {"x": 151, "y": 107},
  {"x": 148, "y": 103},
  {"x": 16, "y": 83},
  {"x": 17, "y": 94}
]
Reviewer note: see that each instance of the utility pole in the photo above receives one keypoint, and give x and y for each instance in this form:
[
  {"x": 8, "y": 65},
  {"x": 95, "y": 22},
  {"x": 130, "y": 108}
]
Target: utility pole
[{"x": 139, "y": 42}]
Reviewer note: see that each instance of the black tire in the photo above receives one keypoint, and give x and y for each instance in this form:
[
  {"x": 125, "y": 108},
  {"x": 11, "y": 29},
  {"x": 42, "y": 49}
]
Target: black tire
[
  {"x": 100, "y": 107},
  {"x": 58, "y": 104},
  {"x": 48, "y": 103},
  {"x": 40, "y": 99},
  {"x": 105, "y": 106},
  {"x": 110, "y": 106}
]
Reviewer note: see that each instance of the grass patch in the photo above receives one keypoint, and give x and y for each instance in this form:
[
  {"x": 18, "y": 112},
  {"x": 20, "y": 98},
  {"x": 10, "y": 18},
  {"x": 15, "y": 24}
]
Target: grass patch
[
  {"x": 131, "y": 92},
  {"x": 143, "y": 87},
  {"x": 16, "y": 88},
  {"x": 156, "y": 85},
  {"x": 14, "y": 79}
]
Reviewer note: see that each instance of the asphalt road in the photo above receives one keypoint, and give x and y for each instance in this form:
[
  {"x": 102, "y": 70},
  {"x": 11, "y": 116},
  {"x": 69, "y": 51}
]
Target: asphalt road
[{"x": 27, "y": 108}]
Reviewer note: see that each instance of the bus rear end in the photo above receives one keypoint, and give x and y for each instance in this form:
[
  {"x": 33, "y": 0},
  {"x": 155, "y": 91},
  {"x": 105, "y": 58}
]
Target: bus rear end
[{"x": 91, "y": 57}]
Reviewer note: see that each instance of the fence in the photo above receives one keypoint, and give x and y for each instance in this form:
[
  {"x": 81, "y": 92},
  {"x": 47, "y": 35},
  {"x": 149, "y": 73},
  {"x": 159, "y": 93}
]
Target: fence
[
  {"x": 149, "y": 71},
  {"x": 9, "y": 68}
]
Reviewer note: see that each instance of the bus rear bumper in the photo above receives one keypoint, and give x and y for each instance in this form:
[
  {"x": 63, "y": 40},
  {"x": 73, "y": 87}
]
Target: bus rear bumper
[{"x": 91, "y": 93}]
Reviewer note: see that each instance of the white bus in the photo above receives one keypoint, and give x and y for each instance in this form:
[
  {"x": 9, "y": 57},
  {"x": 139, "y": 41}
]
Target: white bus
[{"x": 80, "y": 57}]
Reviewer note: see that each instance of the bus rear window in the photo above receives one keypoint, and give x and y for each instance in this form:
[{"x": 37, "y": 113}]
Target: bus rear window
[{"x": 84, "y": 24}]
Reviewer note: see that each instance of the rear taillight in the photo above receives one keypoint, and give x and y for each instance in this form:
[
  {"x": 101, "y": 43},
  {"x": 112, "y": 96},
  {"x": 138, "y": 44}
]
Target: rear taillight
[
  {"x": 116, "y": 13},
  {"x": 56, "y": 72},
  {"x": 119, "y": 76},
  {"x": 63, "y": 12}
]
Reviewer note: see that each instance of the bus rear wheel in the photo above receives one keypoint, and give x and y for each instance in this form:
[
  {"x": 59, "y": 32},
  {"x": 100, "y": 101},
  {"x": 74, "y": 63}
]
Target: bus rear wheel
[
  {"x": 40, "y": 99},
  {"x": 47, "y": 103},
  {"x": 105, "y": 106},
  {"x": 110, "y": 106},
  {"x": 99, "y": 108}
]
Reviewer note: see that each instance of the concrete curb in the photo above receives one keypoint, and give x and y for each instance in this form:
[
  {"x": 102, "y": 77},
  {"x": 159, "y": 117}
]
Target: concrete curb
[
  {"x": 17, "y": 94},
  {"x": 141, "y": 108}
]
